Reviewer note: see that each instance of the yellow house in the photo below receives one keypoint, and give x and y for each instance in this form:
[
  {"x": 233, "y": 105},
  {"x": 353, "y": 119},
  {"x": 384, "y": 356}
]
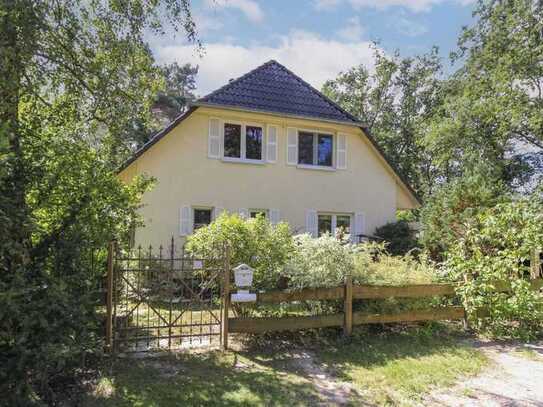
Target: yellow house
[{"x": 266, "y": 143}]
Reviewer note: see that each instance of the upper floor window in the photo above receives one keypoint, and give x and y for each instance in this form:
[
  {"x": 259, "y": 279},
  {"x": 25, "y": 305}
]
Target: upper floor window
[
  {"x": 243, "y": 141},
  {"x": 315, "y": 149}
]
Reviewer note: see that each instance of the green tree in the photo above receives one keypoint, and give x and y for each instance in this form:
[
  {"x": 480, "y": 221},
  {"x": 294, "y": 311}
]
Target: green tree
[
  {"x": 73, "y": 75},
  {"x": 169, "y": 102},
  {"x": 179, "y": 89},
  {"x": 394, "y": 102},
  {"x": 493, "y": 105},
  {"x": 447, "y": 212}
]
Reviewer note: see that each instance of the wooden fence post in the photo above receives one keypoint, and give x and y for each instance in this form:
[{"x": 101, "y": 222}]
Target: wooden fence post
[
  {"x": 348, "y": 306},
  {"x": 225, "y": 298},
  {"x": 109, "y": 298}
]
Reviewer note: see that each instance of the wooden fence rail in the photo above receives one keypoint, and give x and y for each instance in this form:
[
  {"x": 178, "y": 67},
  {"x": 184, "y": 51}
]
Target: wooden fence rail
[{"x": 348, "y": 318}]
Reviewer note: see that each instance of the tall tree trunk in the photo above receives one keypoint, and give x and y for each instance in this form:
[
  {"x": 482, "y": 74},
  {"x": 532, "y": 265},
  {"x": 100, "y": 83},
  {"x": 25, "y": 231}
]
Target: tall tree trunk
[{"x": 16, "y": 20}]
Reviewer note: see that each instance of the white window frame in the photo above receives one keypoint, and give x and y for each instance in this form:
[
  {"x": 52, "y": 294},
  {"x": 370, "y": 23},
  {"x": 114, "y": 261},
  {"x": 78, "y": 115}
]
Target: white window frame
[
  {"x": 334, "y": 216},
  {"x": 316, "y": 134},
  {"x": 243, "y": 145}
]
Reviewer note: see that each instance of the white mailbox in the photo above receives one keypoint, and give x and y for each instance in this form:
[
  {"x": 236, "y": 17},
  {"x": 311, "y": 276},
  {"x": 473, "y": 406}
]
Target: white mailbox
[{"x": 243, "y": 275}]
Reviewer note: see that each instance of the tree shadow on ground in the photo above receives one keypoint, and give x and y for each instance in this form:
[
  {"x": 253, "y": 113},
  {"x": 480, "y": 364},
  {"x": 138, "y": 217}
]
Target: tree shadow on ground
[
  {"x": 386, "y": 364},
  {"x": 195, "y": 379}
]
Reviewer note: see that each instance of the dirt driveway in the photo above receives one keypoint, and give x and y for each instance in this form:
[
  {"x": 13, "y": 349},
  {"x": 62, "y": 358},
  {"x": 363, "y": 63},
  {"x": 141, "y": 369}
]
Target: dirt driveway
[{"x": 514, "y": 378}]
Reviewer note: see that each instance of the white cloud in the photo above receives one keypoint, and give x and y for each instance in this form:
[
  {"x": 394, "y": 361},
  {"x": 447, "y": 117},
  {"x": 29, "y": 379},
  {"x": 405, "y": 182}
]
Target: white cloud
[
  {"x": 206, "y": 23},
  {"x": 408, "y": 27},
  {"x": 326, "y": 4},
  {"x": 250, "y": 8},
  {"x": 352, "y": 31},
  {"x": 310, "y": 56}
]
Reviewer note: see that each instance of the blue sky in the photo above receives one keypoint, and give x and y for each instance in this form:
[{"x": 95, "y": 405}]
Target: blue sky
[{"x": 316, "y": 39}]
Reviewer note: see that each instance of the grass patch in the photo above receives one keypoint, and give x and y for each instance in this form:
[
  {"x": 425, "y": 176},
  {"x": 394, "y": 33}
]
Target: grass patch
[
  {"x": 392, "y": 367},
  {"x": 528, "y": 353},
  {"x": 210, "y": 379},
  {"x": 399, "y": 367}
]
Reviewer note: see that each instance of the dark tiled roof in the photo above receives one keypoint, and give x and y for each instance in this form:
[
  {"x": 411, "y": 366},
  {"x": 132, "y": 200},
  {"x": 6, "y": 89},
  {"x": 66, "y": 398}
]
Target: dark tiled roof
[{"x": 273, "y": 88}]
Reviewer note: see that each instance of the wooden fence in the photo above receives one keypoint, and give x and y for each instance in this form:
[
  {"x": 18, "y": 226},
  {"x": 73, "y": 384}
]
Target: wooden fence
[{"x": 347, "y": 319}]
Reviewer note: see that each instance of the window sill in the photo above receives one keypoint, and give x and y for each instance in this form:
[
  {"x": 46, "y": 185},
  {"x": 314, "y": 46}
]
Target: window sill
[
  {"x": 242, "y": 161},
  {"x": 315, "y": 167}
]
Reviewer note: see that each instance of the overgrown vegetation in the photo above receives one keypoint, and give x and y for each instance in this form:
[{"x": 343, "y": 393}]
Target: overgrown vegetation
[
  {"x": 497, "y": 247},
  {"x": 75, "y": 77}
]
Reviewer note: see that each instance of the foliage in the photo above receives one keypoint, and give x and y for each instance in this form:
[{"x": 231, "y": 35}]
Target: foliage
[
  {"x": 446, "y": 213},
  {"x": 400, "y": 237},
  {"x": 321, "y": 262},
  {"x": 74, "y": 74},
  {"x": 374, "y": 265},
  {"x": 395, "y": 101},
  {"x": 179, "y": 89},
  {"x": 325, "y": 262},
  {"x": 491, "y": 111},
  {"x": 266, "y": 248},
  {"x": 167, "y": 104},
  {"x": 496, "y": 247}
]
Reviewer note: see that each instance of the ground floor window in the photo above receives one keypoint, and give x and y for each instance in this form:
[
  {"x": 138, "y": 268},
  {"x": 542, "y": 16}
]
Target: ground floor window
[
  {"x": 333, "y": 223},
  {"x": 202, "y": 217},
  {"x": 253, "y": 213}
]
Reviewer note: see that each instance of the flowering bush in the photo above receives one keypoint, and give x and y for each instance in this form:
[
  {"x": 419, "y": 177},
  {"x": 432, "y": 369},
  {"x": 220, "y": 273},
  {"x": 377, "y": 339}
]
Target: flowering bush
[
  {"x": 497, "y": 247},
  {"x": 326, "y": 261},
  {"x": 319, "y": 262}
]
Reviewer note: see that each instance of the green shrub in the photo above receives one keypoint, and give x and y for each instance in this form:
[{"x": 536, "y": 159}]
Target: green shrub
[
  {"x": 325, "y": 262},
  {"x": 497, "y": 247},
  {"x": 399, "y": 236},
  {"x": 322, "y": 262},
  {"x": 374, "y": 265},
  {"x": 266, "y": 248}
]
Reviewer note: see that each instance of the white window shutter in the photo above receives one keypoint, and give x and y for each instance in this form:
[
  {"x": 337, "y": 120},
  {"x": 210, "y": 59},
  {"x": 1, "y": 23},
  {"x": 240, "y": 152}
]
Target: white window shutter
[
  {"x": 359, "y": 225},
  {"x": 217, "y": 212},
  {"x": 311, "y": 222},
  {"x": 214, "y": 139},
  {"x": 341, "y": 150},
  {"x": 271, "y": 148},
  {"x": 275, "y": 216},
  {"x": 243, "y": 213},
  {"x": 185, "y": 221},
  {"x": 292, "y": 146}
]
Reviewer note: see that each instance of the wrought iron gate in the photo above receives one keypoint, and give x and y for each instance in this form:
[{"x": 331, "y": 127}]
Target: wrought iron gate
[{"x": 164, "y": 300}]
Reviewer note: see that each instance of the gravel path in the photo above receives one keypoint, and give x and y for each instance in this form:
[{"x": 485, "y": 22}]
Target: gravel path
[{"x": 514, "y": 378}]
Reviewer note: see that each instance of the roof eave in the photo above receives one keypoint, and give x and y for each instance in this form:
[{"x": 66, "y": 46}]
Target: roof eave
[
  {"x": 278, "y": 114},
  {"x": 394, "y": 168},
  {"x": 158, "y": 136}
]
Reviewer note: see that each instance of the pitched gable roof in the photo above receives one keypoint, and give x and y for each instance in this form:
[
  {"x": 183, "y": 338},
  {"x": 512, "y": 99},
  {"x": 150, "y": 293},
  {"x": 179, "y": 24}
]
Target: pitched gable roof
[{"x": 273, "y": 88}]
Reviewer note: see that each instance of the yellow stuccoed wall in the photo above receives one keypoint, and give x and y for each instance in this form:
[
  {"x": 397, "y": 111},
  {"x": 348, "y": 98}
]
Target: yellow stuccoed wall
[{"x": 186, "y": 176}]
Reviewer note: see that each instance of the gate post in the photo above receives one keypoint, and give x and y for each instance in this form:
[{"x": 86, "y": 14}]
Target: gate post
[
  {"x": 348, "y": 306},
  {"x": 225, "y": 298},
  {"x": 109, "y": 298}
]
